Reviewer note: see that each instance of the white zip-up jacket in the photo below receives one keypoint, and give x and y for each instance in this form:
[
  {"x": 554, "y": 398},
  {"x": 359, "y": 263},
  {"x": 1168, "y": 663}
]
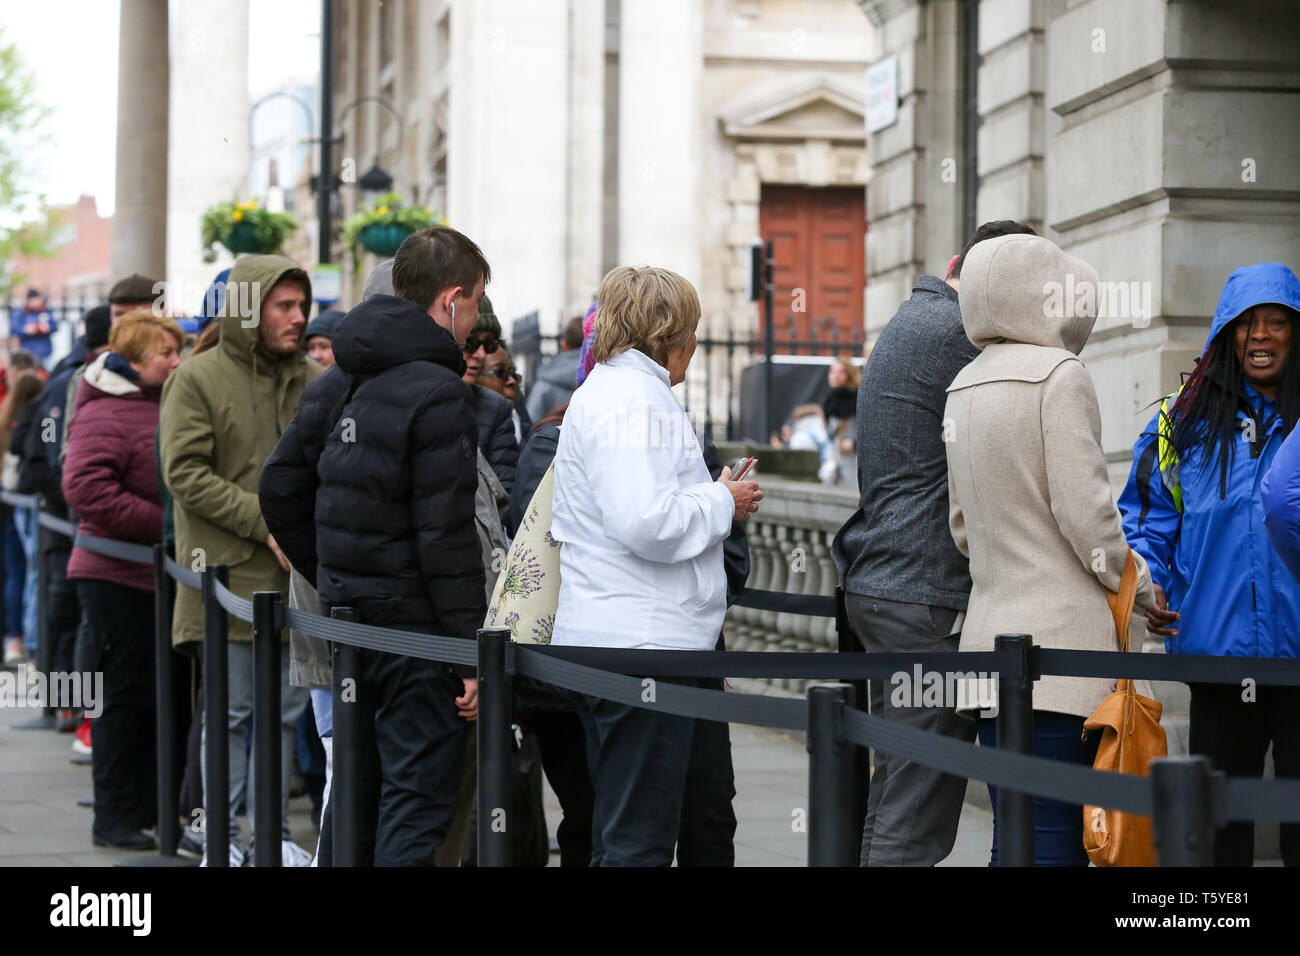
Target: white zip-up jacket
[{"x": 640, "y": 522}]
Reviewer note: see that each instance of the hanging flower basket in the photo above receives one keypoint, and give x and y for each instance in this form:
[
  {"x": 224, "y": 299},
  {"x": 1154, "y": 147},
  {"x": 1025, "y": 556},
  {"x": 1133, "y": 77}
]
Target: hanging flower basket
[
  {"x": 383, "y": 240},
  {"x": 244, "y": 227},
  {"x": 381, "y": 226}
]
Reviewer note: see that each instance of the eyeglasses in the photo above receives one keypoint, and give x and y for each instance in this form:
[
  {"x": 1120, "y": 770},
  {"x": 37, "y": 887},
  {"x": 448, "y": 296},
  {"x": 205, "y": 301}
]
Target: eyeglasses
[
  {"x": 489, "y": 344},
  {"x": 505, "y": 374}
]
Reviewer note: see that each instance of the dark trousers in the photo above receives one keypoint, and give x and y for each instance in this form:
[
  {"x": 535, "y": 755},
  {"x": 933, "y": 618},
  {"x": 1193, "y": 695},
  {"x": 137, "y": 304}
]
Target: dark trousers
[
  {"x": 15, "y": 566},
  {"x": 563, "y": 742},
  {"x": 638, "y": 759},
  {"x": 63, "y": 611},
  {"x": 123, "y": 735},
  {"x": 912, "y": 810},
  {"x": 420, "y": 742},
  {"x": 707, "y": 831},
  {"x": 1058, "y": 827},
  {"x": 1235, "y": 735}
]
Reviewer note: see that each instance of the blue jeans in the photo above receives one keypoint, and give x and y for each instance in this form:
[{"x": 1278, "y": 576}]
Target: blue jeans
[
  {"x": 25, "y": 522},
  {"x": 1058, "y": 827},
  {"x": 322, "y": 705},
  {"x": 15, "y": 575}
]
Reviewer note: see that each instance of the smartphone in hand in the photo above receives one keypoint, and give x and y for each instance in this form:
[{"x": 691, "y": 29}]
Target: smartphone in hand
[{"x": 741, "y": 467}]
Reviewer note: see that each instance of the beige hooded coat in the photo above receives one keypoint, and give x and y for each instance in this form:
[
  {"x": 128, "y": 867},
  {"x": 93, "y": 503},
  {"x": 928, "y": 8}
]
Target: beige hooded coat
[{"x": 1029, "y": 498}]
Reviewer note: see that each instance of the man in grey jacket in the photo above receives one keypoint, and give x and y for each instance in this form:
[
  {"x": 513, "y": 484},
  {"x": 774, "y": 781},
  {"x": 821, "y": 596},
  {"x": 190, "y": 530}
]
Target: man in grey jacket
[{"x": 906, "y": 584}]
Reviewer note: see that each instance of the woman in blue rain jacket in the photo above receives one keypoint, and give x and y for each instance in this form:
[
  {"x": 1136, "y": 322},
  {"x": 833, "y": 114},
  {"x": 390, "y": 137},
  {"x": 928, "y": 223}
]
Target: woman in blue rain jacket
[{"x": 1193, "y": 508}]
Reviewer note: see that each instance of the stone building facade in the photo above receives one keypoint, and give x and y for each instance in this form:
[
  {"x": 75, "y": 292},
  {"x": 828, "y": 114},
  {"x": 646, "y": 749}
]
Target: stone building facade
[
  {"x": 1157, "y": 139},
  {"x": 569, "y": 136}
]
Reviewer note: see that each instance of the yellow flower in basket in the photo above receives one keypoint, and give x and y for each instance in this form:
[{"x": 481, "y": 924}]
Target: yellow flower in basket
[
  {"x": 382, "y": 211},
  {"x": 237, "y": 215}
]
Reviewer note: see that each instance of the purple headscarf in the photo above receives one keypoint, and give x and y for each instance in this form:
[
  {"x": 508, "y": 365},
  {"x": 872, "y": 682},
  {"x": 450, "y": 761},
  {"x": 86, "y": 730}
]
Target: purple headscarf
[{"x": 587, "y": 359}]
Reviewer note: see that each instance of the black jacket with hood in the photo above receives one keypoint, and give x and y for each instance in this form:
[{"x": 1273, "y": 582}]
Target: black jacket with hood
[{"x": 395, "y": 534}]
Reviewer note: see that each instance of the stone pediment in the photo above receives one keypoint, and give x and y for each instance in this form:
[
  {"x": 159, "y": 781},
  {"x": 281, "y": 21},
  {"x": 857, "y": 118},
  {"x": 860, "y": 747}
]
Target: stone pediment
[{"x": 820, "y": 107}]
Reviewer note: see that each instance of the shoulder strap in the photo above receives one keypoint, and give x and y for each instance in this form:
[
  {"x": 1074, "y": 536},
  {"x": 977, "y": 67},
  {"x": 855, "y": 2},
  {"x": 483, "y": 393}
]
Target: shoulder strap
[
  {"x": 1121, "y": 601},
  {"x": 1169, "y": 467}
]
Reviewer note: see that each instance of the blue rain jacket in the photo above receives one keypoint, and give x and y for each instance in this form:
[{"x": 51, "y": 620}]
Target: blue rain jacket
[
  {"x": 1213, "y": 557},
  {"x": 1281, "y": 494}
]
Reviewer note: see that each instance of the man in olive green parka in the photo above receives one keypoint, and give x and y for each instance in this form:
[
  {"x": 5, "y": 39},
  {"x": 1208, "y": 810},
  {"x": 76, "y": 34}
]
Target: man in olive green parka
[{"x": 222, "y": 415}]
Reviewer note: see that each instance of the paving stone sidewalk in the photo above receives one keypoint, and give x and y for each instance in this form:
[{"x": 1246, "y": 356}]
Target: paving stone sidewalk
[{"x": 41, "y": 824}]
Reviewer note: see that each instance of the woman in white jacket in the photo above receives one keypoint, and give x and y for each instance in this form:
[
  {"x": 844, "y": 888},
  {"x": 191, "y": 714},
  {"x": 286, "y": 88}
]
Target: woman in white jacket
[
  {"x": 642, "y": 526},
  {"x": 1029, "y": 497}
]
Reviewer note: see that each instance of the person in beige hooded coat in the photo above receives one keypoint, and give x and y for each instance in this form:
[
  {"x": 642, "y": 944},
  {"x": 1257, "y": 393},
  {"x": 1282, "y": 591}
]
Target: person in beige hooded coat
[{"x": 1030, "y": 502}]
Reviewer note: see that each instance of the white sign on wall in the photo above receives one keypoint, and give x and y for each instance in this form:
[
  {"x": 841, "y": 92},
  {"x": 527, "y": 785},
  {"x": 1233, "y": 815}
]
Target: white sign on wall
[{"x": 882, "y": 94}]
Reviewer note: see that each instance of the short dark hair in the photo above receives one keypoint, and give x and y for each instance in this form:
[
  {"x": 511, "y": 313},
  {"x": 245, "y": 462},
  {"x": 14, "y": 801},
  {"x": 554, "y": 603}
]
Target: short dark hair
[
  {"x": 573, "y": 333},
  {"x": 434, "y": 259},
  {"x": 990, "y": 230}
]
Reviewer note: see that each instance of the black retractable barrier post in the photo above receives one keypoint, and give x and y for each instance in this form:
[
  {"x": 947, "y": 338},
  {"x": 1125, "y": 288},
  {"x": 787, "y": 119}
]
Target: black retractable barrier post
[
  {"x": 848, "y": 643},
  {"x": 216, "y": 716},
  {"x": 1184, "y": 811},
  {"x": 345, "y": 784},
  {"x": 268, "y": 624},
  {"x": 495, "y": 827},
  {"x": 1015, "y": 729},
  {"x": 831, "y": 837},
  {"x": 169, "y": 830},
  {"x": 44, "y": 644}
]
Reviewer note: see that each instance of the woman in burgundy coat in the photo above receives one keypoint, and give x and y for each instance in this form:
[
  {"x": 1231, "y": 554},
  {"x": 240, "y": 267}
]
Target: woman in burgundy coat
[{"x": 110, "y": 480}]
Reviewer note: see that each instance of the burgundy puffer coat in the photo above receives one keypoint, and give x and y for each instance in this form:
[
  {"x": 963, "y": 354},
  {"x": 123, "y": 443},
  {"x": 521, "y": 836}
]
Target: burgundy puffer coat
[{"x": 110, "y": 478}]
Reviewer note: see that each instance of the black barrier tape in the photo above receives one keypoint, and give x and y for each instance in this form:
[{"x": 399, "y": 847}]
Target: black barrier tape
[
  {"x": 66, "y": 528},
  {"x": 1185, "y": 668},
  {"x": 20, "y": 501},
  {"x": 702, "y": 704},
  {"x": 191, "y": 579},
  {"x": 426, "y": 647},
  {"x": 137, "y": 553},
  {"x": 806, "y": 666},
  {"x": 814, "y": 605},
  {"x": 1054, "y": 779},
  {"x": 1246, "y": 799},
  {"x": 241, "y": 608},
  {"x": 1263, "y": 799}
]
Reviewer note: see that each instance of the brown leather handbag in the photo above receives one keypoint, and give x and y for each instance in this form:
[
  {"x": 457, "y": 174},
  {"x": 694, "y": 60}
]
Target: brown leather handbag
[{"x": 1131, "y": 737}]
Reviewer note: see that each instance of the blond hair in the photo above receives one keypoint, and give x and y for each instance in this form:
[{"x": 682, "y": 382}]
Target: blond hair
[
  {"x": 852, "y": 374},
  {"x": 648, "y": 309},
  {"x": 140, "y": 333}
]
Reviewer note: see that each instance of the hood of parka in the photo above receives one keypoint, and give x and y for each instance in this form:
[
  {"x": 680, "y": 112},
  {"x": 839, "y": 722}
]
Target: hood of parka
[
  {"x": 1024, "y": 289},
  {"x": 386, "y": 330},
  {"x": 251, "y": 279}
]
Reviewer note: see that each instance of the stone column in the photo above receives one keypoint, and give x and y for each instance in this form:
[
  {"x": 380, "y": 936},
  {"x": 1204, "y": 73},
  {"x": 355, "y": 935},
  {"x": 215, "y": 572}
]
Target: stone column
[
  {"x": 659, "y": 135},
  {"x": 140, "y": 217},
  {"x": 914, "y": 200},
  {"x": 507, "y": 166},
  {"x": 208, "y": 150}
]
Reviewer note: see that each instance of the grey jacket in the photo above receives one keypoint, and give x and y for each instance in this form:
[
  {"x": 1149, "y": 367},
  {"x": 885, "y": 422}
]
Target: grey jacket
[
  {"x": 554, "y": 384},
  {"x": 897, "y": 546}
]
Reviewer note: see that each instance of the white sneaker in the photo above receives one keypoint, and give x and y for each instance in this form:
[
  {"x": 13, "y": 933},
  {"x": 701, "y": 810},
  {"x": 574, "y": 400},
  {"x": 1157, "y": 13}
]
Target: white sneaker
[
  {"x": 237, "y": 855},
  {"x": 79, "y": 748},
  {"x": 291, "y": 854}
]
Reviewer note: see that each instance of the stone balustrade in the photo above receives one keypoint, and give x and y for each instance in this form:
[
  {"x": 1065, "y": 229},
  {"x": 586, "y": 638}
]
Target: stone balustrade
[{"x": 790, "y": 550}]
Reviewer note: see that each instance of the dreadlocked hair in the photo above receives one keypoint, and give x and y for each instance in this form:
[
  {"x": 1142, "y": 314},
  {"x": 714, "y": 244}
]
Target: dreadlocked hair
[{"x": 1204, "y": 416}]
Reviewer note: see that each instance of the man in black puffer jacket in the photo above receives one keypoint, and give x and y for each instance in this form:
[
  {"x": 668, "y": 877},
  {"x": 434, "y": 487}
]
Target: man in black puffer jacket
[{"x": 394, "y": 534}]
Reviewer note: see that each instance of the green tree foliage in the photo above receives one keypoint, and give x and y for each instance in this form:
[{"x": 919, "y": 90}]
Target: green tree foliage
[{"x": 21, "y": 115}]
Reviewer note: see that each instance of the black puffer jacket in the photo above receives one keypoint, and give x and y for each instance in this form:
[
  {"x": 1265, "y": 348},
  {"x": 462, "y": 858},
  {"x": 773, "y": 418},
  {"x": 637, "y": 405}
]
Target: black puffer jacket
[
  {"x": 395, "y": 533},
  {"x": 288, "y": 486},
  {"x": 496, "y": 434}
]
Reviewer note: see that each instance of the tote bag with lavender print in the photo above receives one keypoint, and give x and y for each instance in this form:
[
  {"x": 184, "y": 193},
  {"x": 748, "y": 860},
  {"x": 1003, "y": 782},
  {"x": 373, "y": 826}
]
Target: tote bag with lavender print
[{"x": 528, "y": 588}]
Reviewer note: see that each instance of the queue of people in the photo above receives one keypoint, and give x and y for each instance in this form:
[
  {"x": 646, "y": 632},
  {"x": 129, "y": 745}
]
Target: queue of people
[{"x": 388, "y": 460}]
